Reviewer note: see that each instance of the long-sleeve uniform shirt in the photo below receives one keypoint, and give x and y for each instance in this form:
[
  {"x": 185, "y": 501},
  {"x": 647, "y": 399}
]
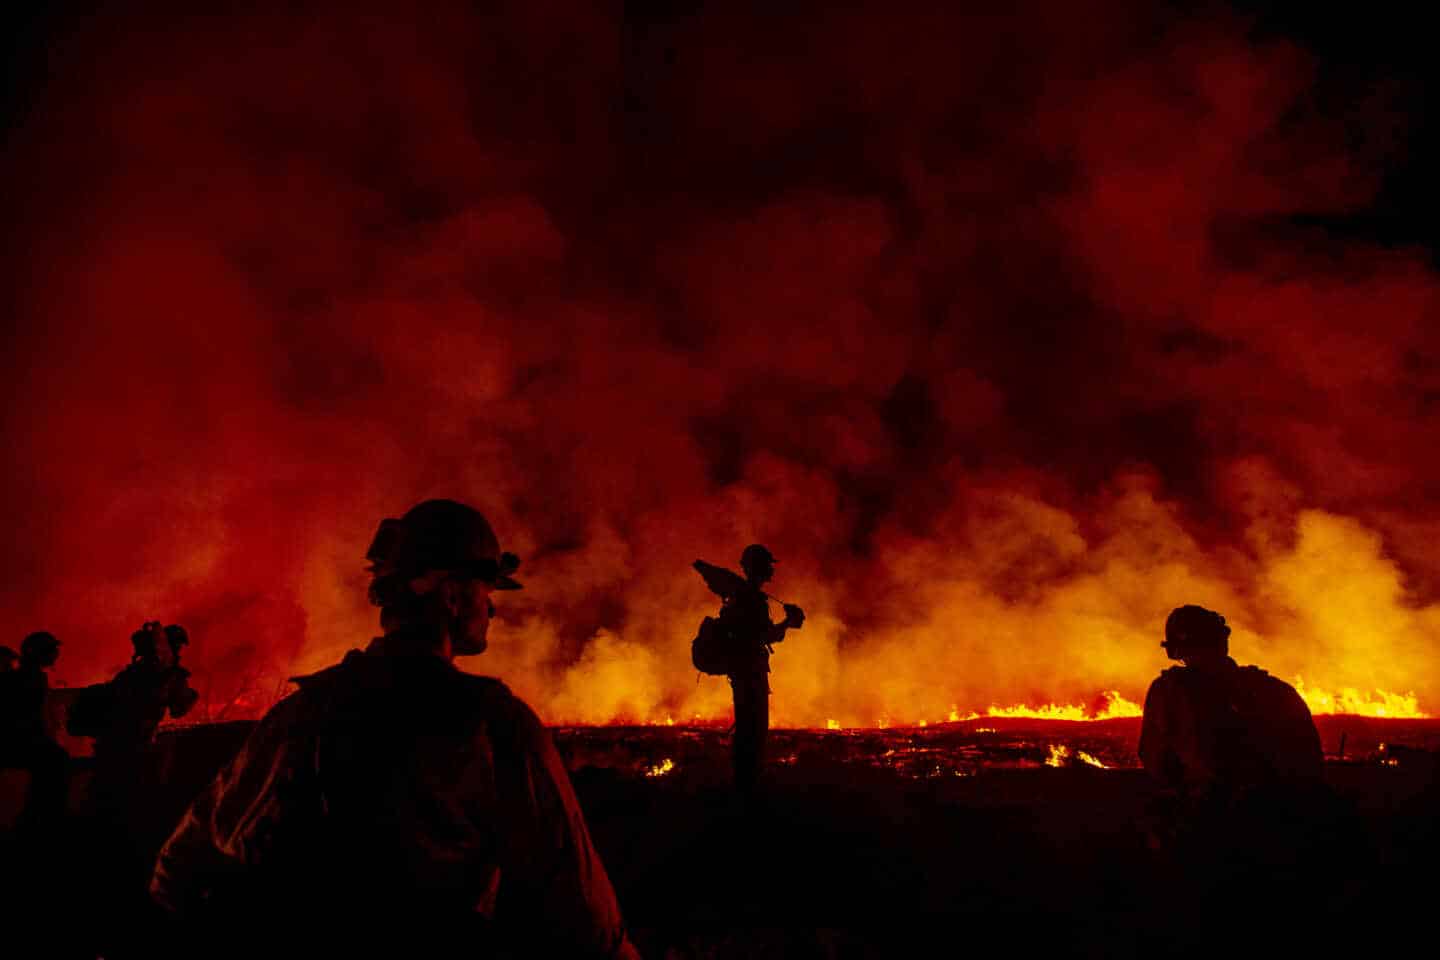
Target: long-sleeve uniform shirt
[
  {"x": 22, "y": 706},
  {"x": 140, "y": 696},
  {"x": 26, "y": 743},
  {"x": 745, "y": 616},
  {"x": 1227, "y": 729},
  {"x": 398, "y": 786}
]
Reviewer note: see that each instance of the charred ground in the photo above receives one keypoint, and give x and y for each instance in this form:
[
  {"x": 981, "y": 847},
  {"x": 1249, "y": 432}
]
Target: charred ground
[{"x": 939, "y": 841}]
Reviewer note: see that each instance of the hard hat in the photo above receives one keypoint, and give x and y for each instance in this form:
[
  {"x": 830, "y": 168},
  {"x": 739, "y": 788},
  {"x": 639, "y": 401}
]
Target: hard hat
[
  {"x": 756, "y": 553},
  {"x": 441, "y": 535},
  {"x": 39, "y": 643},
  {"x": 1193, "y": 628}
]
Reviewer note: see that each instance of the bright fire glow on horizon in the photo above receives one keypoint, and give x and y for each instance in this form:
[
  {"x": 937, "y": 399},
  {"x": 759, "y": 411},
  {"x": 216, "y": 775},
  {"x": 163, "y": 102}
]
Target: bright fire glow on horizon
[
  {"x": 1377, "y": 703},
  {"x": 1000, "y": 381},
  {"x": 1380, "y": 704}
]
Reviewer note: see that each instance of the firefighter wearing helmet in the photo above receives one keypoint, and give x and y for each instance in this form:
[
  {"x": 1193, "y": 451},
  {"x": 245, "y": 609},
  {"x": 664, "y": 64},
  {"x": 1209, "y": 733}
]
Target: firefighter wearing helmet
[
  {"x": 141, "y": 695},
  {"x": 124, "y": 716},
  {"x": 392, "y": 787},
  {"x": 25, "y": 739},
  {"x": 1212, "y": 728},
  {"x": 744, "y": 621}
]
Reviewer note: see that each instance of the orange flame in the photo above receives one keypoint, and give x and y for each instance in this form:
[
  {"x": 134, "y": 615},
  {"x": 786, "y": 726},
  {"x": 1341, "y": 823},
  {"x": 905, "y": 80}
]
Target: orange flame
[
  {"x": 1361, "y": 646},
  {"x": 661, "y": 769},
  {"x": 1377, "y": 703},
  {"x": 1060, "y": 756},
  {"x": 1114, "y": 706},
  {"x": 980, "y": 580}
]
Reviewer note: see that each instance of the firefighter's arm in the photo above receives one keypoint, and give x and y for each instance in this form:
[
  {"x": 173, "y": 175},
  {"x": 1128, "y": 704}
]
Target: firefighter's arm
[
  {"x": 231, "y": 824},
  {"x": 1156, "y": 751},
  {"x": 181, "y": 696},
  {"x": 794, "y": 620},
  {"x": 557, "y": 871},
  {"x": 1307, "y": 755}
]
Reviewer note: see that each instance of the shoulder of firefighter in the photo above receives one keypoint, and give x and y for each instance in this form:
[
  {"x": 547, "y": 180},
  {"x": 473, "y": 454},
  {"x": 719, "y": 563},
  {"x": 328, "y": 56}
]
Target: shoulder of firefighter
[
  {"x": 1288, "y": 728},
  {"x": 180, "y": 696},
  {"x": 510, "y": 843},
  {"x": 1157, "y": 747},
  {"x": 22, "y": 704}
]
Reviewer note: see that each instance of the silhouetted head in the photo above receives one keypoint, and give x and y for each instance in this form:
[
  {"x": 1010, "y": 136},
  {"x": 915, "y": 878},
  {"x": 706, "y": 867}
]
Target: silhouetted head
[
  {"x": 176, "y": 636},
  {"x": 146, "y": 641},
  {"x": 758, "y": 563},
  {"x": 150, "y": 645},
  {"x": 1195, "y": 631},
  {"x": 435, "y": 568},
  {"x": 8, "y": 659},
  {"x": 40, "y": 649}
]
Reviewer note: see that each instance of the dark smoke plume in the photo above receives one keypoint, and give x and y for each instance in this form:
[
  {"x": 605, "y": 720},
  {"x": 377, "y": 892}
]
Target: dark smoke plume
[{"x": 1007, "y": 332}]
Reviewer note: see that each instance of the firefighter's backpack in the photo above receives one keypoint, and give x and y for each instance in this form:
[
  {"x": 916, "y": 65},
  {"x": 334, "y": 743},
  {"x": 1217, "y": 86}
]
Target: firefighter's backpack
[{"x": 713, "y": 648}]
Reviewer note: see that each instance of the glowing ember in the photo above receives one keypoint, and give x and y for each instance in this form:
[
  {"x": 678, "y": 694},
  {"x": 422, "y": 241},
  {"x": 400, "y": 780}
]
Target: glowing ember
[
  {"x": 941, "y": 753},
  {"x": 941, "y": 771},
  {"x": 660, "y": 769},
  {"x": 832, "y": 724}
]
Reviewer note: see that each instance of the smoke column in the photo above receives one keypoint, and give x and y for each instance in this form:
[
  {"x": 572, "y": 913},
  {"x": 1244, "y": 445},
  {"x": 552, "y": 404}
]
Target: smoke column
[{"x": 1005, "y": 332}]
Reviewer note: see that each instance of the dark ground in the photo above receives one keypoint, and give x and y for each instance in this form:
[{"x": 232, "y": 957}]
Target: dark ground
[
  {"x": 899, "y": 857},
  {"x": 854, "y": 852}
]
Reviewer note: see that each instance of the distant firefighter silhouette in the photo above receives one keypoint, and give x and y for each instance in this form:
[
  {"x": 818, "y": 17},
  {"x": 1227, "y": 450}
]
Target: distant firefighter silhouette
[
  {"x": 393, "y": 792},
  {"x": 124, "y": 715},
  {"x": 132, "y": 705},
  {"x": 738, "y": 644},
  {"x": 25, "y": 740},
  {"x": 1214, "y": 729}
]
